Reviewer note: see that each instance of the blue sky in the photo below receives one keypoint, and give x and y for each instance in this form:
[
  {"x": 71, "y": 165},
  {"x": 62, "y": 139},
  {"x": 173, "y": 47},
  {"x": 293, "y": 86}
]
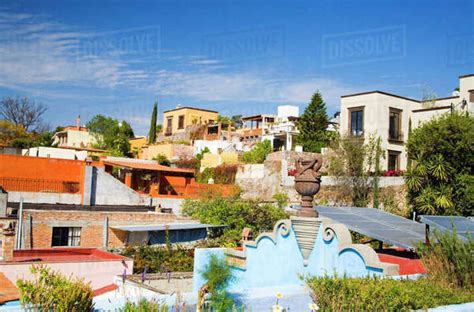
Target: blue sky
[{"x": 118, "y": 57}]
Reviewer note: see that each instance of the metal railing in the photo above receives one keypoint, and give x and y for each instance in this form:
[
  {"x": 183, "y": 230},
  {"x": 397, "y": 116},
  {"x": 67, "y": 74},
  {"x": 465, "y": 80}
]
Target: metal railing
[{"x": 39, "y": 185}]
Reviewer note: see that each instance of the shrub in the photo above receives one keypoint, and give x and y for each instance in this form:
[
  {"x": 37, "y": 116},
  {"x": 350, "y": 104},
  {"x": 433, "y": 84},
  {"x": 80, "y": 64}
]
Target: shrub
[
  {"x": 218, "y": 275},
  {"x": 51, "y": 291},
  {"x": 282, "y": 199},
  {"x": 236, "y": 214},
  {"x": 375, "y": 294},
  {"x": 162, "y": 160},
  {"x": 191, "y": 163},
  {"x": 223, "y": 174},
  {"x": 440, "y": 179},
  {"x": 144, "y": 305},
  {"x": 158, "y": 259},
  {"x": 351, "y": 161},
  {"x": 200, "y": 155},
  {"x": 449, "y": 260},
  {"x": 258, "y": 154}
]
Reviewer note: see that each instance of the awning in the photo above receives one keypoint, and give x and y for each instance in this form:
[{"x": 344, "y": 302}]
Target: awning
[
  {"x": 146, "y": 166},
  {"x": 164, "y": 227}
]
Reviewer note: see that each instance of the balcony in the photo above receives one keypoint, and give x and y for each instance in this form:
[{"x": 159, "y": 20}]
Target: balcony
[
  {"x": 252, "y": 132},
  {"x": 395, "y": 136}
]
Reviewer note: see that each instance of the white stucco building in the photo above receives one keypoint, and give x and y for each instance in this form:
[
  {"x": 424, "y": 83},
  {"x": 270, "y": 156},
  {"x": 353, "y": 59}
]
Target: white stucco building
[
  {"x": 279, "y": 129},
  {"x": 388, "y": 116},
  {"x": 74, "y": 136}
]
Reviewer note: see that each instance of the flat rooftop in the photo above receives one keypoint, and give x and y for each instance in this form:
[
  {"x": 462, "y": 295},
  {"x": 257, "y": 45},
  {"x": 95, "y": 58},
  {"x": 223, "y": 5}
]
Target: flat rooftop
[{"x": 63, "y": 255}]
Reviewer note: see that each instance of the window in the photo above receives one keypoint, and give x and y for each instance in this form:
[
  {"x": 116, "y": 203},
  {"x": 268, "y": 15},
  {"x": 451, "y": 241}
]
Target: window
[
  {"x": 356, "y": 121},
  {"x": 395, "y": 122},
  {"x": 169, "y": 125},
  {"x": 181, "y": 122},
  {"x": 393, "y": 160},
  {"x": 66, "y": 236}
]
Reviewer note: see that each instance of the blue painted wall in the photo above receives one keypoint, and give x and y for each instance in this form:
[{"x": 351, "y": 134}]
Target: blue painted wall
[{"x": 280, "y": 263}]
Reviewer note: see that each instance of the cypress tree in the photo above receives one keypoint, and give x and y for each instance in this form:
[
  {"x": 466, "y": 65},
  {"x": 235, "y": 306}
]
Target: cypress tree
[
  {"x": 152, "y": 133},
  {"x": 313, "y": 124}
]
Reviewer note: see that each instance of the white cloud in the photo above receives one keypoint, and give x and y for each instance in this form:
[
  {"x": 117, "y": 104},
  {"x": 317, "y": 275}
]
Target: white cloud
[
  {"x": 36, "y": 55},
  {"x": 247, "y": 87}
]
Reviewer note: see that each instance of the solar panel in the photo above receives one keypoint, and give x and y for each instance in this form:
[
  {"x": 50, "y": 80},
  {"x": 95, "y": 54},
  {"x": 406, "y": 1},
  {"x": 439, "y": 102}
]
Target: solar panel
[
  {"x": 378, "y": 224},
  {"x": 445, "y": 223}
]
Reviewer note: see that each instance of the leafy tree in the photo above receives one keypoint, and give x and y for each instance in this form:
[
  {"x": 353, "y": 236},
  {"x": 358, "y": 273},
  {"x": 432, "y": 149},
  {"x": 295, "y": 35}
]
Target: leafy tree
[
  {"x": 22, "y": 112},
  {"x": 258, "y": 154},
  {"x": 218, "y": 275},
  {"x": 237, "y": 121},
  {"x": 236, "y": 214},
  {"x": 152, "y": 133},
  {"x": 51, "y": 291},
  {"x": 110, "y": 134},
  {"x": 10, "y": 131},
  {"x": 352, "y": 162},
  {"x": 313, "y": 124},
  {"x": 440, "y": 180}
]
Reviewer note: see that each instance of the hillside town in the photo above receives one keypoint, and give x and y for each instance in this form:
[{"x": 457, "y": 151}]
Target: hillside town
[{"x": 293, "y": 206}]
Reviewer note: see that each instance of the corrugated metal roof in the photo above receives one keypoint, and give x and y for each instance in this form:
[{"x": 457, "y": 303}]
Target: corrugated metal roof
[
  {"x": 146, "y": 166},
  {"x": 163, "y": 227}
]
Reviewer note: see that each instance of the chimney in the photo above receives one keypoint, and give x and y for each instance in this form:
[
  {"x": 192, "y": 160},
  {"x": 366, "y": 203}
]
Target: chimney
[
  {"x": 78, "y": 122},
  {"x": 7, "y": 242}
]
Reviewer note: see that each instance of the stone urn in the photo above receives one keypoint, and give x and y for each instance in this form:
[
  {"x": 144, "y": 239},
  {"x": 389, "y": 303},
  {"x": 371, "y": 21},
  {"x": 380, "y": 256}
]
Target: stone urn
[{"x": 307, "y": 184}]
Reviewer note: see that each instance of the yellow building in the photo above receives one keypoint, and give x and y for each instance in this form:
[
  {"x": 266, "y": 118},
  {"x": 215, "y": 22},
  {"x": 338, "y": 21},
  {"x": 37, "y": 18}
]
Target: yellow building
[
  {"x": 176, "y": 120},
  {"x": 213, "y": 160}
]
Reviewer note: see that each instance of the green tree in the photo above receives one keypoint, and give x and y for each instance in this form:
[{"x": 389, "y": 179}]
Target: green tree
[
  {"x": 110, "y": 134},
  {"x": 258, "y": 154},
  {"x": 152, "y": 133},
  {"x": 352, "y": 162},
  {"x": 236, "y": 214},
  {"x": 51, "y": 291},
  {"x": 162, "y": 160},
  {"x": 440, "y": 180},
  {"x": 218, "y": 275},
  {"x": 313, "y": 124}
]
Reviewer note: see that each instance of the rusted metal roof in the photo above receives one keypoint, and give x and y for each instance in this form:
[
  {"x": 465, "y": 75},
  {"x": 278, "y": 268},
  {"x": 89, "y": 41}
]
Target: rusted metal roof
[{"x": 146, "y": 166}]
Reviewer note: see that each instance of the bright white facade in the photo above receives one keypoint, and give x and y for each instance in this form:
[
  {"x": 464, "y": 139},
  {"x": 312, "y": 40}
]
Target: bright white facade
[
  {"x": 279, "y": 129},
  {"x": 74, "y": 137},
  {"x": 53, "y": 152},
  {"x": 388, "y": 116}
]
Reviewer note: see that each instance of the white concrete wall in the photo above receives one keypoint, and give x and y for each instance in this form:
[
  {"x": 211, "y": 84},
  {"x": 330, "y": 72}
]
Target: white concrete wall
[
  {"x": 213, "y": 146},
  {"x": 53, "y": 152},
  {"x": 110, "y": 191},
  {"x": 45, "y": 198},
  {"x": 173, "y": 203}
]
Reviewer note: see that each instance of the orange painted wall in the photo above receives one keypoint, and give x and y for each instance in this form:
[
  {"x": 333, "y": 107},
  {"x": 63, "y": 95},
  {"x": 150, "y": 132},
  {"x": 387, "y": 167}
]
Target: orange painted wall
[{"x": 12, "y": 166}]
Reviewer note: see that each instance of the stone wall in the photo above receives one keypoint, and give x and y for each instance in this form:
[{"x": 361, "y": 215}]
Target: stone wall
[{"x": 262, "y": 181}]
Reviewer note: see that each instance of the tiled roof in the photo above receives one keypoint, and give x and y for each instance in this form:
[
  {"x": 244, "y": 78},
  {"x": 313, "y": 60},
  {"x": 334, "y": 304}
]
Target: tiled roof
[{"x": 8, "y": 291}]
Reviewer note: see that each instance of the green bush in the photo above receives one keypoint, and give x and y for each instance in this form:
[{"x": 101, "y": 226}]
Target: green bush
[
  {"x": 218, "y": 275},
  {"x": 144, "y": 305},
  {"x": 51, "y": 291},
  {"x": 236, "y": 214},
  {"x": 223, "y": 174},
  {"x": 162, "y": 160},
  {"x": 375, "y": 294},
  {"x": 258, "y": 154},
  {"x": 281, "y": 199},
  {"x": 440, "y": 179},
  {"x": 160, "y": 258},
  {"x": 449, "y": 260}
]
